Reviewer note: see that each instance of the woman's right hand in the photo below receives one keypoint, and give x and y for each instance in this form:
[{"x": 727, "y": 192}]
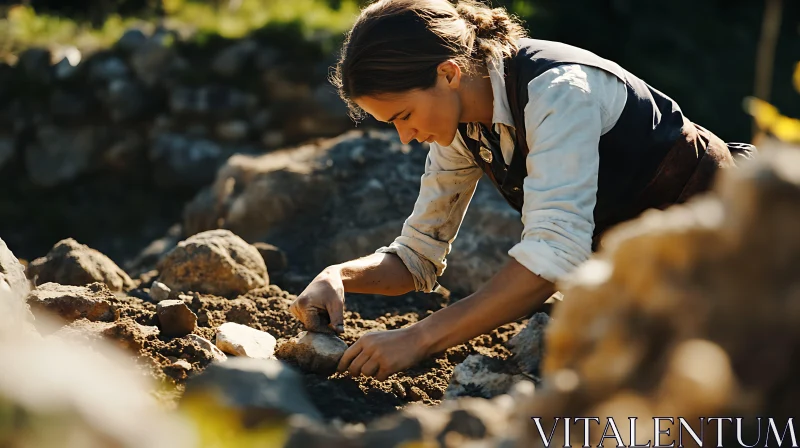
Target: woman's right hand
[{"x": 320, "y": 307}]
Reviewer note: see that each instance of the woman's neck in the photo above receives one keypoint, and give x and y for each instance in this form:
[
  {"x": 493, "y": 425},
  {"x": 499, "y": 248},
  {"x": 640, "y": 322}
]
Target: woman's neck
[{"x": 477, "y": 99}]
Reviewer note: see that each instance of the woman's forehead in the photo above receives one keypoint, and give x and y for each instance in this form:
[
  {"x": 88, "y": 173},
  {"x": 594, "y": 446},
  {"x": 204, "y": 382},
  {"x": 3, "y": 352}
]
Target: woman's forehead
[{"x": 386, "y": 107}]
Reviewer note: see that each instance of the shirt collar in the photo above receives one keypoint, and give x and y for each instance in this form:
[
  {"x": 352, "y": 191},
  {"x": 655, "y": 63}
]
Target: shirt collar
[{"x": 501, "y": 113}]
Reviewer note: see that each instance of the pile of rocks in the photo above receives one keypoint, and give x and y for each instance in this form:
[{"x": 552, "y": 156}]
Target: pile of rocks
[{"x": 162, "y": 104}]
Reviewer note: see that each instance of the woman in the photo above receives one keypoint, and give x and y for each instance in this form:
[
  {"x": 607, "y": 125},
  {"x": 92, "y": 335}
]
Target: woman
[{"x": 573, "y": 141}]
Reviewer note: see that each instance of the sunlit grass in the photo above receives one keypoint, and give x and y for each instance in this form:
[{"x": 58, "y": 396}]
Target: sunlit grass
[{"x": 23, "y": 28}]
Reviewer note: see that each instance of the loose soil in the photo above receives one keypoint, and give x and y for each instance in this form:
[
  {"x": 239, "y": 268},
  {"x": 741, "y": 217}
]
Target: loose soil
[{"x": 338, "y": 397}]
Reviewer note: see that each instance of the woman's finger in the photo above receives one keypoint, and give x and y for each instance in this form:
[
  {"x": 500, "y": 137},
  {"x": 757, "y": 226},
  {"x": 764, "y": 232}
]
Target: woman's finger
[
  {"x": 383, "y": 374},
  {"x": 349, "y": 355},
  {"x": 358, "y": 363},
  {"x": 371, "y": 367}
]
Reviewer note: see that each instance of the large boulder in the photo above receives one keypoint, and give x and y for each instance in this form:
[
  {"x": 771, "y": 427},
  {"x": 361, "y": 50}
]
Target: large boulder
[
  {"x": 344, "y": 198},
  {"x": 214, "y": 262},
  {"x": 692, "y": 311},
  {"x": 72, "y": 263}
]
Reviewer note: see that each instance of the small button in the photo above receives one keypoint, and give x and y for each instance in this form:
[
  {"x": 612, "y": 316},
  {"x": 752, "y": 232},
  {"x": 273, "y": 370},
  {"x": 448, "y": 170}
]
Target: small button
[
  {"x": 515, "y": 189},
  {"x": 486, "y": 155}
]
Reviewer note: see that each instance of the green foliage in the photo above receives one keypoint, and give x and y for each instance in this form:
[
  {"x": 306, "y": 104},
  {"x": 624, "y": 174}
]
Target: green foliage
[{"x": 22, "y": 27}]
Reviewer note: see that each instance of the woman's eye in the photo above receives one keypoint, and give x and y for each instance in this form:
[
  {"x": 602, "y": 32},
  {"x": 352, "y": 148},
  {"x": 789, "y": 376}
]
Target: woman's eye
[{"x": 406, "y": 117}]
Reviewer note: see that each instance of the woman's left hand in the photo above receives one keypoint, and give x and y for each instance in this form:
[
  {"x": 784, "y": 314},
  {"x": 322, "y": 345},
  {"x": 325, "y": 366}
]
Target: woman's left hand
[{"x": 380, "y": 354}]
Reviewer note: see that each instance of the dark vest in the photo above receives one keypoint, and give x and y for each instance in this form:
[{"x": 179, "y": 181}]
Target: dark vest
[{"x": 630, "y": 153}]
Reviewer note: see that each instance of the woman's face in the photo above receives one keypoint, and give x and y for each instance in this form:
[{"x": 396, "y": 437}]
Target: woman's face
[{"x": 430, "y": 115}]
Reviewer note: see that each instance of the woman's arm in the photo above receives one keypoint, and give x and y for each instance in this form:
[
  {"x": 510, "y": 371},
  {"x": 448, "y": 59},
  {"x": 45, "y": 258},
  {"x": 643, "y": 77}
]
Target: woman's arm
[
  {"x": 383, "y": 274},
  {"x": 414, "y": 259},
  {"x": 512, "y": 293}
]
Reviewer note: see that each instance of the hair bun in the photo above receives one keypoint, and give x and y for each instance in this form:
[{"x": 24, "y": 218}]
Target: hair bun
[{"x": 488, "y": 23}]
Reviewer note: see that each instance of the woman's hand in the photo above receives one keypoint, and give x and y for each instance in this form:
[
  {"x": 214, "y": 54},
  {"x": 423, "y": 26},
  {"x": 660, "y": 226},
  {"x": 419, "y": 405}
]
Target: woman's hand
[
  {"x": 320, "y": 307},
  {"x": 380, "y": 354}
]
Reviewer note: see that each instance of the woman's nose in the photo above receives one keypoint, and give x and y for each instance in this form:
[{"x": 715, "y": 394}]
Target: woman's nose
[{"x": 406, "y": 134}]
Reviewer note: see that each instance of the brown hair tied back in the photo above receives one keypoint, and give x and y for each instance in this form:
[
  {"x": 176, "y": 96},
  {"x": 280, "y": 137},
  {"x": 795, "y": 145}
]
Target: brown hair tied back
[{"x": 396, "y": 45}]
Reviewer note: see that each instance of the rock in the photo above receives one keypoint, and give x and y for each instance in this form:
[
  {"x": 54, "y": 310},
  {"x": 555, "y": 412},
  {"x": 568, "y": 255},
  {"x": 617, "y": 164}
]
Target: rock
[
  {"x": 107, "y": 69},
  {"x": 261, "y": 389},
  {"x": 215, "y": 101},
  {"x": 231, "y": 61},
  {"x": 313, "y": 352},
  {"x": 241, "y": 340},
  {"x": 214, "y": 262},
  {"x": 59, "y": 154},
  {"x": 131, "y": 40},
  {"x": 72, "y": 263},
  {"x": 528, "y": 345},
  {"x": 481, "y": 376},
  {"x": 159, "y": 291},
  {"x": 12, "y": 271},
  {"x": 66, "y": 61},
  {"x": 180, "y": 161},
  {"x": 178, "y": 370},
  {"x": 205, "y": 344},
  {"x": 127, "y": 100},
  {"x": 175, "y": 318},
  {"x": 417, "y": 394},
  {"x": 92, "y": 302},
  {"x": 124, "y": 333},
  {"x": 153, "y": 59}
]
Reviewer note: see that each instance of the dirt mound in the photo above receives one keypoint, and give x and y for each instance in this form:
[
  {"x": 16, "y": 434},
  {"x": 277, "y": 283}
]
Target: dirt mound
[{"x": 337, "y": 396}]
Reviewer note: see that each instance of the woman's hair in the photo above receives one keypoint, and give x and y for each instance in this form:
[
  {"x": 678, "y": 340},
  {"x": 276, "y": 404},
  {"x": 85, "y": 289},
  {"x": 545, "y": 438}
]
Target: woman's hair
[{"x": 396, "y": 45}]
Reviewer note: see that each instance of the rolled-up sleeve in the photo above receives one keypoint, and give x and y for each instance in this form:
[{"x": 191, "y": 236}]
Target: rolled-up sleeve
[
  {"x": 446, "y": 189},
  {"x": 564, "y": 121}
]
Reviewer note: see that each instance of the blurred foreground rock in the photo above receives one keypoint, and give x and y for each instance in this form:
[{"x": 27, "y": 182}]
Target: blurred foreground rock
[
  {"x": 67, "y": 395},
  {"x": 72, "y": 263},
  {"x": 263, "y": 390},
  {"x": 213, "y": 262},
  {"x": 693, "y": 311},
  {"x": 12, "y": 272}
]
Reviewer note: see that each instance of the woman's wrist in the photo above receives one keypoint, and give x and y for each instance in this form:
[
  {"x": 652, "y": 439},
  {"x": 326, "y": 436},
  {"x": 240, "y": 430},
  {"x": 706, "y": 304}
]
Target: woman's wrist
[{"x": 427, "y": 336}]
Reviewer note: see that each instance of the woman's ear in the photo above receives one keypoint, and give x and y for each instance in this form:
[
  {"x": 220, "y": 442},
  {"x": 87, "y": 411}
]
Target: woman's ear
[{"x": 450, "y": 72}]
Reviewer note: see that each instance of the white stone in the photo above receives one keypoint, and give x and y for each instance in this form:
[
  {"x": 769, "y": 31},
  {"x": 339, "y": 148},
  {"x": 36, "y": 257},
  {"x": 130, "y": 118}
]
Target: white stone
[
  {"x": 159, "y": 291},
  {"x": 241, "y": 340}
]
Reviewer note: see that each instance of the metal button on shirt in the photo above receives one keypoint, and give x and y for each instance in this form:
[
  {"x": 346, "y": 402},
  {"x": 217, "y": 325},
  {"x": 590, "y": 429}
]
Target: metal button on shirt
[{"x": 486, "y": 155}]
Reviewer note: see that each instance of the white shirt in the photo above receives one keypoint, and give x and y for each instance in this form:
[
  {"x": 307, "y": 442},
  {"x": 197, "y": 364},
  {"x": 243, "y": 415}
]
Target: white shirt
[{"x": 569, "y": 108}]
